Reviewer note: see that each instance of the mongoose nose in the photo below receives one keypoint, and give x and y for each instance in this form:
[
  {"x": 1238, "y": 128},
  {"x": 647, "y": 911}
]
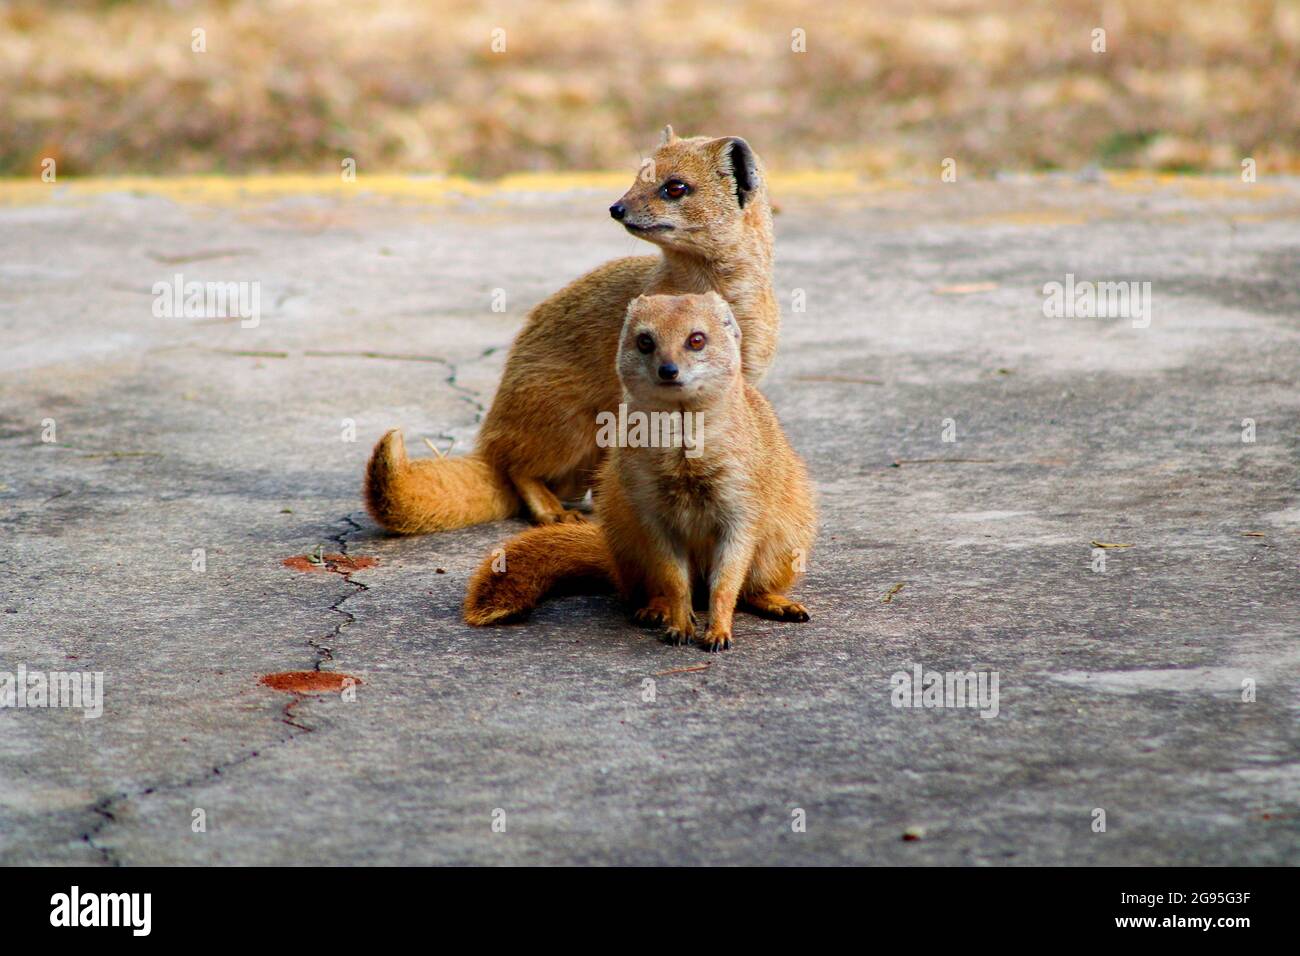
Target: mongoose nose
[
  {"x": 618, "y": 210},
  {"x": 668, "y": 371}
]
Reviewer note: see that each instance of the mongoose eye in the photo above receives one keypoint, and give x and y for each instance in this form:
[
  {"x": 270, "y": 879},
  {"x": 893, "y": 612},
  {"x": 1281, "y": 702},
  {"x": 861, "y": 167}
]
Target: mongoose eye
[
  {"x": 696, "y": 341},
  {"x": 645, "y": 344},
  {"x": 674, "y": 189}
]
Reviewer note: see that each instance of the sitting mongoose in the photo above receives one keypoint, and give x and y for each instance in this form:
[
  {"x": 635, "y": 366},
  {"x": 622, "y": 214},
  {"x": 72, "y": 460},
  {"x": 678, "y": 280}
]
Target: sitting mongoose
[{"x": 728, "y": 505}]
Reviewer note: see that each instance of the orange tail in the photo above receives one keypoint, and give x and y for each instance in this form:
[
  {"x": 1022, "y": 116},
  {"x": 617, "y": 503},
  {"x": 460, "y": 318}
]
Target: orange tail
[
  {"x": 512, "y": 581},
  {"x": 433, "y": 494}
]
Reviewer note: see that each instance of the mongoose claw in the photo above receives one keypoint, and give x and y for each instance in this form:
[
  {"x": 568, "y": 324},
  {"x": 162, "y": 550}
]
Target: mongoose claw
[
  {"x": 713, "y": 642},
  {"x": 679, "y": 636}
]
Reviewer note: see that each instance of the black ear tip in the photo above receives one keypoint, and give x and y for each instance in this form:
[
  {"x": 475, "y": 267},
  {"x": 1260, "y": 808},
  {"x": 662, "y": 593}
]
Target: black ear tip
[
  {"x": 741, "y": 155},
  {"x": 742, "y": 167}
]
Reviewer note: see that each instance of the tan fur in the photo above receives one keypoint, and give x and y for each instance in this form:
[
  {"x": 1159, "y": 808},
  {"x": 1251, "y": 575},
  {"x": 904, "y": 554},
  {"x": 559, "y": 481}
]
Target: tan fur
[
  {"x": 514, "y": 579},
  {"x": 409, "y": 496},
  {"x": 739, "y": 517},
  {"x": 539, "y": 435}
]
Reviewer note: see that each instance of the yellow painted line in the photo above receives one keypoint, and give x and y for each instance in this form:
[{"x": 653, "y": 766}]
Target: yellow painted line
[
  {"x": 234, "y": 190},
  {"x": 1198, "y": 187},
  {"x": 221, "y": 190}
]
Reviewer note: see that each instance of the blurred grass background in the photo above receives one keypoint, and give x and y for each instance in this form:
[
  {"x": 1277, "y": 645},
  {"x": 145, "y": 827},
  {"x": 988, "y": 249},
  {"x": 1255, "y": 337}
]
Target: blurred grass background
[{"x": 889, "y": 87}]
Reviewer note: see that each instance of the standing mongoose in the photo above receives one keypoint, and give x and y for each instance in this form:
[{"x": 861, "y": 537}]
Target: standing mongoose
[
  {"x": 704, "y": 203},
  {"x": 728, "y": 504}
]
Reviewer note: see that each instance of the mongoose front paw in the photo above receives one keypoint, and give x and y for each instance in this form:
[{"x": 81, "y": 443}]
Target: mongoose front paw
[
  {"x": 676, "y": 637},
  {"x": 680, "y": 636},
  {"x": 714, "y": 641}
]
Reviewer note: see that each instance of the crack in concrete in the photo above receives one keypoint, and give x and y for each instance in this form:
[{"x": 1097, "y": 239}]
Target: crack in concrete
[
  {"x": 325, "y": 653},
  {"x": 103, "y": 808},
  {"x": 467, "y": 395}
]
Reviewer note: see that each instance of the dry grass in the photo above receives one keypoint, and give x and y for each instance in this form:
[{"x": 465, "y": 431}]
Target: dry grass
[{"x": 412, "y": 85}]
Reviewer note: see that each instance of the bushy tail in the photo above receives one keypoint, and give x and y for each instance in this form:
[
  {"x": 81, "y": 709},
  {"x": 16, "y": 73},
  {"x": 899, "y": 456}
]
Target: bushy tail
[
  {"x": 433, "y": 494},
  {"x": 511, "y": 582}
]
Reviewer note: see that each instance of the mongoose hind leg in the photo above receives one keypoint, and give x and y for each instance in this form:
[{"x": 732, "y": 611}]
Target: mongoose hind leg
[
  {"x": 773, "y": 605},
  {"x": 654, "y": 614},
  {"x": 542, "y": 503}
]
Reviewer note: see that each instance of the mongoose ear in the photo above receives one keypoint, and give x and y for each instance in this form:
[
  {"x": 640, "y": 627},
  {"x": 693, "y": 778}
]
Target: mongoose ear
[
  {"x": 732, "y": 325},
  {"x": 739, "y": 161},
  {"x": 669, "y": 137},
  {"x": 725, "y": 316}
]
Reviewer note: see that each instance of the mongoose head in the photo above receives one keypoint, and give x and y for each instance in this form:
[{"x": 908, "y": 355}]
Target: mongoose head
[
  {"x": 697, "y": 195},
  {"x": 678, "y": 350}
]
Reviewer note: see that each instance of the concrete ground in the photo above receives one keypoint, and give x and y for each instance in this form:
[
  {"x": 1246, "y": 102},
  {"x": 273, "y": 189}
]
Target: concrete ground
[{"x": 1119, "y": 690}]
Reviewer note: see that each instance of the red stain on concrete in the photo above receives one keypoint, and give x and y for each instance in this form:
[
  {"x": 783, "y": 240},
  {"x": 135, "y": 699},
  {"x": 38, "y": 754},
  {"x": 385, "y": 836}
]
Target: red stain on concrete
[
  {"x": 338, "y": 563},
  {"x": 306, "y": 682}
]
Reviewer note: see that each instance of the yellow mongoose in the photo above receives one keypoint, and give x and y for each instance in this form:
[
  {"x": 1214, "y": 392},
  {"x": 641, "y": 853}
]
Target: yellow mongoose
[
  {"x": 728, "y": 503},
  {"x": 704, "y": 203}
]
